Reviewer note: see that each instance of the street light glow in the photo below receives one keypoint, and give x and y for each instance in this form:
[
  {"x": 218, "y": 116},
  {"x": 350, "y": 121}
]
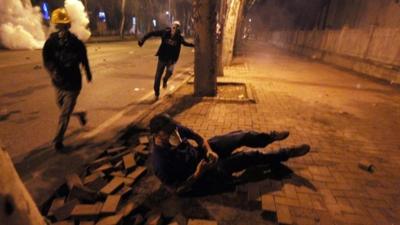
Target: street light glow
[{"x": 167, "y": 12}]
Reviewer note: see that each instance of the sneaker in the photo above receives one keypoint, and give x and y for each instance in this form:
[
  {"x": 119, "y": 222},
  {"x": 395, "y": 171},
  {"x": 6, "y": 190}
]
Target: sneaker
[
  {"x": 164, "y": 85},
  {"x": 59, "y": 146},
  {"x": 279, "y": 136},
  {"x": 298, "y": 151},
  {"x": 82, "y": 116}
]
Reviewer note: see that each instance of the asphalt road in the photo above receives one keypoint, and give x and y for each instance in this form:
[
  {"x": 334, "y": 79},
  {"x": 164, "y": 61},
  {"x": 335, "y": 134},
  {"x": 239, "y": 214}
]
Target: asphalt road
[{"x": 123, "y": 75}]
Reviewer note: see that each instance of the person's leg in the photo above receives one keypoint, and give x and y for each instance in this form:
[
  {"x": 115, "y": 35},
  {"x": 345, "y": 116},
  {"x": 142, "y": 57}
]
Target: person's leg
[
  {"x": 168, "y": 73},
  {"x": 157, "y": 79},
  {"x": 243, "y": 160},
  {"x": 225, "y": 144},
  {"x": 69, "y": 102}
]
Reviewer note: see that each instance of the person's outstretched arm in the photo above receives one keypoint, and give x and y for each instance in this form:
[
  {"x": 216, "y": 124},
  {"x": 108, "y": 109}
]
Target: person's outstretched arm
[
  {"x": 185, "y": 43},
  {"x": 157, "y": 33}
]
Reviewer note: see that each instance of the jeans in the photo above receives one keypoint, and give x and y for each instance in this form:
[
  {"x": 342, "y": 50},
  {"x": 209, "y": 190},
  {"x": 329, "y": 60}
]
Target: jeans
[
  {"x": 161, "y": 65},
  {"x": 66, "y": 101},
  {"x": 230, "y": 162}
]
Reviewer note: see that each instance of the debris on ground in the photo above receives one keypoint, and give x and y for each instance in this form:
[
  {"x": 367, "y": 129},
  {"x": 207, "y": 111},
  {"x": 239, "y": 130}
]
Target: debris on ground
[{"x": 366, "y": 165}]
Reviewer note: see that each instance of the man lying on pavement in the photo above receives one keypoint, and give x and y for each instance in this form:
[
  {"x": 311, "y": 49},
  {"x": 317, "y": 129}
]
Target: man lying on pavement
[{"x": 179, "y": 164}]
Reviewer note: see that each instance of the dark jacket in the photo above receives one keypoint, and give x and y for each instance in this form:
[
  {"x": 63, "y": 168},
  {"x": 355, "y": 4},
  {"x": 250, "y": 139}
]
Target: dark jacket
[
  {"x": 170, "y": 46},
  {"x": 173, "y": 165},
  {"x": 62, "y": 56}
]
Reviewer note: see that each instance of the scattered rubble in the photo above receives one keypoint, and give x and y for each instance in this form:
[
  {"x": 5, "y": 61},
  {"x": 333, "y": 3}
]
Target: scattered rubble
[{"x": 101, "y": 195}]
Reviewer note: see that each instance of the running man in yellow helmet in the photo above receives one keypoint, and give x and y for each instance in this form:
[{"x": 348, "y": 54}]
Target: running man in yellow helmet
[{"x": 63, "y": 53}]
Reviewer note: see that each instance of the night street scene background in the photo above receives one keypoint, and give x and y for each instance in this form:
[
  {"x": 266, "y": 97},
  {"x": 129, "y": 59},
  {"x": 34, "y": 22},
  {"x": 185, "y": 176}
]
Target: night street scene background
[{"x": 275, "y": 112}]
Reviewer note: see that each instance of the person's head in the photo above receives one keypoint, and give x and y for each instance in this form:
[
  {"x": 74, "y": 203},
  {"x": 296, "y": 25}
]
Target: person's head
[
  {"x": 60, "y": 18},
  {"x": 162, "y": 126},
  {"x": 175, "y": 29}
]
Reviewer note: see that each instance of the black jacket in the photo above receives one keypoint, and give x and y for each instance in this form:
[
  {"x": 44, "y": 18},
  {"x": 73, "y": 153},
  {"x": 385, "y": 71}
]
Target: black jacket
[
  {"x": 62, "y": 56},
  {"x": 170, "y": 46}
]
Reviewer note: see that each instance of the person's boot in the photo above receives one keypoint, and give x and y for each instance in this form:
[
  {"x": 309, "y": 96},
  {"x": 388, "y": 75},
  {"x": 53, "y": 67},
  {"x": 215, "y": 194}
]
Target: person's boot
[
  {"x": 279, "y": 136},
  {"x": 82, "y": 116},
  {"x": 297, "y": 151},
  {"x": 164, "y": 85}
]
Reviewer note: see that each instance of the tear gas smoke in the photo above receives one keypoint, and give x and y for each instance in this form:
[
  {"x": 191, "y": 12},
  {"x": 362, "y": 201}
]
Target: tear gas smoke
[
  {"x": 20, "y": 25},
  {"x": 79, "y": 19}
]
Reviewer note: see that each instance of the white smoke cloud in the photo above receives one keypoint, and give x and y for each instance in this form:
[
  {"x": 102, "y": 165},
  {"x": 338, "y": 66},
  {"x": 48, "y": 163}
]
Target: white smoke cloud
[
  {"x": 20, "y": 25},
  {"x": 79, "y": 19}
]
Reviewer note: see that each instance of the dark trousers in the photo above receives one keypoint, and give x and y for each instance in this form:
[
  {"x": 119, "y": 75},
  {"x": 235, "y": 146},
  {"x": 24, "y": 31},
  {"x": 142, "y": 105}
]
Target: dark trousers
[
  {"x": 66, "y": 101},
  {"x": 230, "y": 162},
  {"x": 161, "y": 66}
]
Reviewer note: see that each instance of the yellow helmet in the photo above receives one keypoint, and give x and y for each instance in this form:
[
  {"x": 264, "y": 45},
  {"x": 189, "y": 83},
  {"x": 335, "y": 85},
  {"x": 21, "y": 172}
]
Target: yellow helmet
[{"x": 60, "y": 16}]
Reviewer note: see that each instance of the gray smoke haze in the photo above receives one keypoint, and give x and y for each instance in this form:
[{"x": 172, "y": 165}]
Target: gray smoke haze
[
  {"x": 21, "y": 24},
  {"x": 285, "y": 14}
]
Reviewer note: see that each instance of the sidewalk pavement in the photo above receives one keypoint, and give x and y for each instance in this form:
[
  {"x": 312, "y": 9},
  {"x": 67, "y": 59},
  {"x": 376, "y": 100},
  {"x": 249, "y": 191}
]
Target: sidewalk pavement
[{"x": 345, "y": 118}]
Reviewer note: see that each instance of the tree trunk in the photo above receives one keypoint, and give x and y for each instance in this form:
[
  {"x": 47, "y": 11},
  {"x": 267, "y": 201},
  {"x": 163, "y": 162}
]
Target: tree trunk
[
  {"x": 220, "y": 37},
  {"x": 16, "y": 204},
  {"x": 230, "y": 28},
  {"x": 122, "y": 27},
  {"x": 205, "y": 67}
]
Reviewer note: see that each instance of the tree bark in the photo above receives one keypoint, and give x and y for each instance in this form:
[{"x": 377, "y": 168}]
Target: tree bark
[
  {"x": 122, "y": 27},
  {"x": 220, "y": 36},
  {"x": 16, "y": 204},
  {"x": 230, "y": 30},
  {"x": 205, "y": 67}
]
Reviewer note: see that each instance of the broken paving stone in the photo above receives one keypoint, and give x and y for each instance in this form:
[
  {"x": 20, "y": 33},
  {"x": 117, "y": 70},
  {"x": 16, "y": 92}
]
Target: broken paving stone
[
  {"x": 87, "y": 210},
  {"x": 92, "y": 177},
  {"x": 113, "y": 151},
  {"x": 119, "y": 165},
  {"x": 105, "y": 168},
  {"x": 202, "y": 222},
  {"x": 98, "y": 162},
  {"x": 268, "y": 203},
  {"x": 143, "y": 140},
  {"x": 111, "y": 204},
  {"x": 283, "y": 215},
  {"x": 155, "y": 220},
  {"x": 125, "y": 191},
  {"x": 56, "y": 204},
  {"x": 83, "y": 194},
  {"x": 117, "y": 174},
  {"x": 366, "y": 165},
  {"x": 73, "y": 180},
  {"x": 112, "y": 186},
  {"x": 137, "y": 173},
  {"x": 174, "y": 223},
  {"x": 127, "y": 181},
  {"x": 110, "y": 220},
  {"x": 64, "y": 212},
  {"x": 129, "y": 161},
  {"x": 98, "y": 184},
  {"x": 127, "y": 209}
]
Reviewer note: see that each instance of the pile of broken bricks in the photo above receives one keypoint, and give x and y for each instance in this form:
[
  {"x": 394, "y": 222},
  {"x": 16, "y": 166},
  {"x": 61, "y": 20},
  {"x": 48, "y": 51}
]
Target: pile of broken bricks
[
  {"x": 102, "y": 195},
  {"x": 99, "y": 195}
]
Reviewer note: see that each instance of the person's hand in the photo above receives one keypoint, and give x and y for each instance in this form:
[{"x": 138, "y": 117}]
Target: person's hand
[
  {"x": 89, "y": 78},
  {"x": 212, "y": 156},
  {"x": 201, "y": 168},
  {"x": 140, "y": 43}
]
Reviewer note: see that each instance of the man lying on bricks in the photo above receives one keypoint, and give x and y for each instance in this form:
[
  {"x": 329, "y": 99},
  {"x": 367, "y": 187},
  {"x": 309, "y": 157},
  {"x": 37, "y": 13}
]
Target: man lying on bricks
[{"x": 179, "y": 164}]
